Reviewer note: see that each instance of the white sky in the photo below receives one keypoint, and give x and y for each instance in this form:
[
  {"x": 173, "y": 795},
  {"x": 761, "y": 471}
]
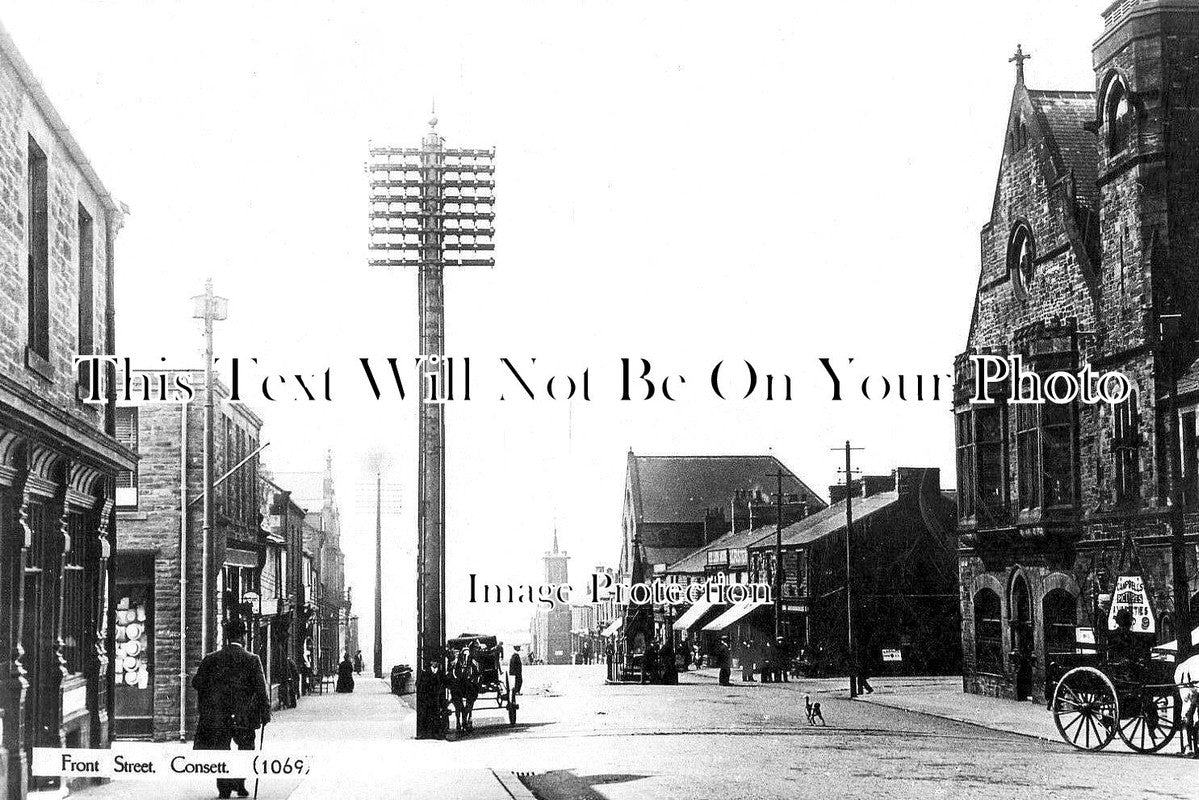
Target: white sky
[{"x": 684, "y": 182}]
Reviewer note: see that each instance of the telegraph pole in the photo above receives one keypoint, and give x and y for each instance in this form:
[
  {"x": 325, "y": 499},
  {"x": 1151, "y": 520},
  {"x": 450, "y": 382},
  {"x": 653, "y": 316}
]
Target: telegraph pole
[
  {"x": 851, "y": 643},
  {"x": 431, "y": 208},
  {"x": 778, "y": 561},
  {"x": 210, "y": 308},
  {"x": 379, "y": 574},
  {"x": 1172, "y": 347}
]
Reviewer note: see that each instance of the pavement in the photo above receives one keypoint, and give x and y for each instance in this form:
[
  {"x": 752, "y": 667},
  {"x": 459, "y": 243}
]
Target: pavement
[{"x": 579, "y": 739}]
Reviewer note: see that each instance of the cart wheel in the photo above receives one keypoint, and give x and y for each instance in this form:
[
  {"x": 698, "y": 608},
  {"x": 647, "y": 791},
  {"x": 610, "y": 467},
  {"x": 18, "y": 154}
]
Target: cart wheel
[
  {"x": 1085, "y": 708},
  {"x": 1152, "y": 726}
]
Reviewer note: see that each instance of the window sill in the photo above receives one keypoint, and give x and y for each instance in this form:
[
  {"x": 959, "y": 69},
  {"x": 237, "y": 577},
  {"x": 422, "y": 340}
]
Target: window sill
[{"x": 38, "y": 364}]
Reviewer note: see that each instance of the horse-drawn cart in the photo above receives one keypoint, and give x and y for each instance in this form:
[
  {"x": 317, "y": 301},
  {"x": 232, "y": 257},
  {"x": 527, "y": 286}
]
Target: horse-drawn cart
[
  {"x": 1099, "y": 699},
  {"x": 490, "y": 681},
  {"x": 1124, "y": 686}
]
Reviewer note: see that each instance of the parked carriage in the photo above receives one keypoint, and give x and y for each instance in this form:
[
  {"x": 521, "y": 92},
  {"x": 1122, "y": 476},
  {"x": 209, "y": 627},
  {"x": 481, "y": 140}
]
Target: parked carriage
[
  {"x": 494, "y": 681},
  {"x": 1140, "y": 697}
]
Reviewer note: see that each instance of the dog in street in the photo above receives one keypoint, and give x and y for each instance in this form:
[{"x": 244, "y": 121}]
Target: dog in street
[{"x": 813, "y": 710}]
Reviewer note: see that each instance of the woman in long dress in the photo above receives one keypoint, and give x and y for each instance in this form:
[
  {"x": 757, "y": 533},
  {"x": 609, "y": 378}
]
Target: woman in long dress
[{"x": 345, "y": 675}]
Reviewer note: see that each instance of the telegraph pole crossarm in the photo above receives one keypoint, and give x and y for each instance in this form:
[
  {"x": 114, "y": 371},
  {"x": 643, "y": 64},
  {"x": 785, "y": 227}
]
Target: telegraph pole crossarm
[{"x": 851, "y": 643}]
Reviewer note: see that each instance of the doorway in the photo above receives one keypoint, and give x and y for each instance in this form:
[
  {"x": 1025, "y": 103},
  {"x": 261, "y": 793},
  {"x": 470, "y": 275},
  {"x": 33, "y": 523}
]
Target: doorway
[{"x": 1022, "y": 638}]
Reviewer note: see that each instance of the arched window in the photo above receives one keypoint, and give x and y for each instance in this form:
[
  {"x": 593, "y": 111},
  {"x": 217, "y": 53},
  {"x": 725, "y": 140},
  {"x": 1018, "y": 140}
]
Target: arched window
[
  {"x": 988, "y": 632},
  {"x": 1021, "y": 256},
  {"x": 1059, "y": 611},
  {"x": 1117, "y": 116}
]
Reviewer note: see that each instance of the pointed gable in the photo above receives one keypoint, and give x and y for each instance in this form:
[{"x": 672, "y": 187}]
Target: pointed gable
[{"x": 1040, "y": 250}]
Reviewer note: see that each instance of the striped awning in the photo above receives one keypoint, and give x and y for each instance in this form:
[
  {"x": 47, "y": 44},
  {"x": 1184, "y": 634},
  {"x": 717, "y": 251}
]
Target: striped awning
[
  {"x": 692, "y": 615},
  {"x": 737, "y": 612},
  {"x": 614, "y": 627}
]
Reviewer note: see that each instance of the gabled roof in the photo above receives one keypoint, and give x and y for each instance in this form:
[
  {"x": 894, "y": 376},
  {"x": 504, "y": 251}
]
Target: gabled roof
[
  {"x": 664, "y": 555},
  {"x": 829, "y": 521},
  {"x": 676, "y": 489},
  {"x": 697, "y": 560},
  {"x": 1071, "y": 145}
]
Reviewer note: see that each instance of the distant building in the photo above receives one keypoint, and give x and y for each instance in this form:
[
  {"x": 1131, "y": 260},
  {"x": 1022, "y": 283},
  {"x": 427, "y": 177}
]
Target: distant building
[
  {"x": 550, "y": 629},
  {"x": 904, "y": 579},
  {"x": 675, "y": 506}
]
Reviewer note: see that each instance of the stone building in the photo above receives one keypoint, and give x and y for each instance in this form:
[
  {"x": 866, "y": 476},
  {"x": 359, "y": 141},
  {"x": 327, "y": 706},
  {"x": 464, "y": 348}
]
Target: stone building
[
  {"x": 158, "y": 592},
  {"x": 905, "y": 601},
  {"x": 58, "y": 456},
  {"x": 1092, "y": 241}
]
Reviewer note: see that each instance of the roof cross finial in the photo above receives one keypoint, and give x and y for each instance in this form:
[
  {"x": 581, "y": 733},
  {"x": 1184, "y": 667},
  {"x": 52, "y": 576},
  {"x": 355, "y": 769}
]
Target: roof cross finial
[{"x": 1019, "y": 58}]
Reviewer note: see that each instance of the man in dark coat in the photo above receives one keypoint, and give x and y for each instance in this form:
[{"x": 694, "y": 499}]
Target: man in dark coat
[
  {"x": 723, "y": 658},
  {"x": 516, "y": 670},
  {"x": 233, "y": 700}
]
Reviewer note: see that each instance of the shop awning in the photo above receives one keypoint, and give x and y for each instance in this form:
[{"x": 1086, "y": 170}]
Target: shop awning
[
  {"x": 732, "y": 615},
  {"x": 692, "y": 615},
  {"x": 1172, "y": 646},
  {"x": 614, "y": 627}
]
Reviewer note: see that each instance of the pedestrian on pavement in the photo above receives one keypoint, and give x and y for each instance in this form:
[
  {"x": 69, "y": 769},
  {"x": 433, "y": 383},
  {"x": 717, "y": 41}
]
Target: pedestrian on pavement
[
  {"x": 516, "y": 670},
  {"x": 696, "y": 658},
  {"x": 782, "y": 660},
  {"x": 864, "y": 680},
  {"x": 345, "y": 675},
  {"x": 289, "y": 688},
  {"x": 233, "y": 701},
  {"x": 747, "y": 662},
  {"x": 649, "y": 663},
  {"x": 358, "y": 662},
  {"x": 670, "y": 667},
  {"x": 768, "y": 661},
  {"x": 723, "y": 659}
]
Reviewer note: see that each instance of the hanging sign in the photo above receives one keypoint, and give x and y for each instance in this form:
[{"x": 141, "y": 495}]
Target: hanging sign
[{"x": 1131, "y": 594}]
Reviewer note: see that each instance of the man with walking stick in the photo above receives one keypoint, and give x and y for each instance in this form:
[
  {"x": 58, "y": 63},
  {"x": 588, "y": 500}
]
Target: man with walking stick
[{"x": 233, "y": 701}]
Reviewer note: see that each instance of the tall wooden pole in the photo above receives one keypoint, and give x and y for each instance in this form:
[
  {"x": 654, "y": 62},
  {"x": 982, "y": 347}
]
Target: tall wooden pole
[
  {"x": 853, "y": 651},
  {"x": 378, "y": 575},
  {"x": 430, "y": 509},
  {"x": 399, "y": 216},
  {"x": 778, "y": 562}
]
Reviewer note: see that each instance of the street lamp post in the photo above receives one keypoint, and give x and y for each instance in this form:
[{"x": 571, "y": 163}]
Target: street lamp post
[{"x": 209, "y": 308}]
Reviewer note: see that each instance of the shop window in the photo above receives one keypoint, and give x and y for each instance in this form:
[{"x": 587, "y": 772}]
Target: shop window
[
  {"x": 127, "y": 436},
  {"x": 1126, "y": 450},
  {"x": 988, "y": 632},
  {"x": 75, "y": 628},
  {"x": 133, "y": 663},
  {"x": 1059, "y": 610}
]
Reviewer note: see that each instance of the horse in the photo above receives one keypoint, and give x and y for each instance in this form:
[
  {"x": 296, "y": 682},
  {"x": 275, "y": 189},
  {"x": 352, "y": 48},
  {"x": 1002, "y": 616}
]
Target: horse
[
  {"x": 465, "y": 679},
  {"x": 1186, "y": 678}
]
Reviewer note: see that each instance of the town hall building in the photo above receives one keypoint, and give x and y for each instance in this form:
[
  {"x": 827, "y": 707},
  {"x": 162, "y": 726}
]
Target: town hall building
[{"x": 1089, "y": 258}]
